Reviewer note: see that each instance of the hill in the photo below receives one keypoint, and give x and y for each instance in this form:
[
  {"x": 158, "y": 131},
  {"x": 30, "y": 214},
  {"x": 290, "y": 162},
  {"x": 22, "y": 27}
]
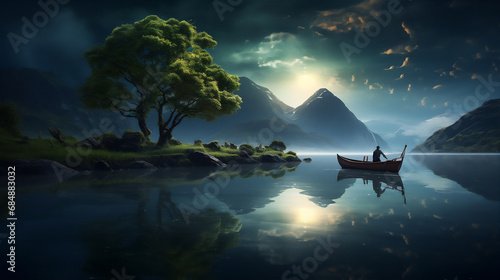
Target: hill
[{"x": 476, "y": 131}]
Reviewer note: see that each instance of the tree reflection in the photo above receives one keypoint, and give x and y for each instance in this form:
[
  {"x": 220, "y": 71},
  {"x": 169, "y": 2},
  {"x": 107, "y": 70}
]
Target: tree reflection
[{"x": 167, "y": 248}]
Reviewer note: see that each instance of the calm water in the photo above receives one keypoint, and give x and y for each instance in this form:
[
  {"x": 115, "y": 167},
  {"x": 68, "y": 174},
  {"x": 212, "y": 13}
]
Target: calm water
[{"x": 439, "y": 219}]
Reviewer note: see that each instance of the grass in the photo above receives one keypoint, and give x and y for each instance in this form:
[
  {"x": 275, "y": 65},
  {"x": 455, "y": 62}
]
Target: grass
[{"x": 84, "y": 158}]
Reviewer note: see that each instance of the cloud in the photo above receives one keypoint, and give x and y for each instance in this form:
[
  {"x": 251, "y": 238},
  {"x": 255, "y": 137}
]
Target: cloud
[
  {"x": 405, "y": 62},
  {"x": 407, "y": 30},
  {"x": 437, "y": 86},
  {"x": 346, "y": 19},
  {"x": 275, "y": 63},
  {"x": 401, "y": 49},
  {"x": 409, "y": 87},
  {"x": 56, "y": 48},
  {"x": 390, "y": 68},
  {"x": 279, "y": 49},
  {"x": 400, "y": 77},
  {"x": 423, "y": 101},
  {"x": 391, "y": 91},
  {"x": 353, "y": 78},
  {"x": 429, "y": 126}
]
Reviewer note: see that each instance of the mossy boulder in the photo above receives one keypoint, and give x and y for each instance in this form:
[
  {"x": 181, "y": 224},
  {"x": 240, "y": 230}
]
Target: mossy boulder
[
  {"x": 247, "y": 148},
  {"x": 214, "y": 145},
  {"x": 132, "y": 141},
  {"x": 174, "y": 142}
]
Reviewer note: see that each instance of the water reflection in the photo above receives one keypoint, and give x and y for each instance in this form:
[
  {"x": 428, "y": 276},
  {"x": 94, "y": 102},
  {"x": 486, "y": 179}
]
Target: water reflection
[
  {"x": 392, "y": 180},
  {"x": 265, "y": 220},
  {"x": 478, "y": 174},
  {"x": 171, "y": 250}
]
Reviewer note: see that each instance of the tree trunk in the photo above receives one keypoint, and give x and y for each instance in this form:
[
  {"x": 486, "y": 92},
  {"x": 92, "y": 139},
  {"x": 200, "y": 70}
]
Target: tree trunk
[
  {"x": 144, "y": 128},
  {"x": 165, "y": 135}
]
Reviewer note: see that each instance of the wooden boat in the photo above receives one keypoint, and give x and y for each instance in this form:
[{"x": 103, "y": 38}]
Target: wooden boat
[{"x": 392, "y": 165}]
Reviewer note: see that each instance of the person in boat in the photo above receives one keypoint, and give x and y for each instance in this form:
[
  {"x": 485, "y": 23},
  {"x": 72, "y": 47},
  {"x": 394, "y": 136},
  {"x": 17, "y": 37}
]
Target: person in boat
[{"x": 377, "y": 153}]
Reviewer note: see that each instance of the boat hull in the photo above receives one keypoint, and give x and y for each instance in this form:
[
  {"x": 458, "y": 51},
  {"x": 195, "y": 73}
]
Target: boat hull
[{"x": 389, "y": 165}]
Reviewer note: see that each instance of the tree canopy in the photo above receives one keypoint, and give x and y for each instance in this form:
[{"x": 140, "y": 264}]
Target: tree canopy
[{"x": 162, "y": 66}]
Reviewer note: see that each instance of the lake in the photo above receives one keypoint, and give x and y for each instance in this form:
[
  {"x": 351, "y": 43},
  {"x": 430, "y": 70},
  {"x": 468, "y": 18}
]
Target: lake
[{"x": 438, "y": 219}]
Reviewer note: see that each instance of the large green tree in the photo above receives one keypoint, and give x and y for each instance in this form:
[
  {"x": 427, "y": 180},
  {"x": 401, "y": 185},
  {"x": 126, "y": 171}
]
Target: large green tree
[{"x": 162, "y": 66}]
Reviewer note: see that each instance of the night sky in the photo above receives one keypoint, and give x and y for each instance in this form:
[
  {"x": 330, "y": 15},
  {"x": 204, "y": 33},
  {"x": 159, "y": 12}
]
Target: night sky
[{"x": 414, "y": 64}]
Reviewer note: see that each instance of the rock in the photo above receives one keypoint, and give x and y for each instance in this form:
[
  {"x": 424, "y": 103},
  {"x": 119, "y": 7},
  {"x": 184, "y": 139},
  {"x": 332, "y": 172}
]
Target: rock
[
  {"x": 203, "y": 159},
  {"x": 226, "y": 145},
  {"x": 242, "y": 160},
  {"x": 214, "y": 145},
  {"x": 267, "y": 158},
  {"x": 292, "y": 159},
  {"x": 233, "y": 146},
  {"x": 141, "y": 164},
  {"x": 103, "y": 166},
  {"x": 307, "y": 160},
  {"x": 197, "y": 142},
  {"x": 244, "y": 154},
  {"x": 44, "y": 167}
]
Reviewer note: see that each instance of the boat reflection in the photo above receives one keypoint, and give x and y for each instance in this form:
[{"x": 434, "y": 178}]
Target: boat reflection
[{"x": 392, "y": 180}]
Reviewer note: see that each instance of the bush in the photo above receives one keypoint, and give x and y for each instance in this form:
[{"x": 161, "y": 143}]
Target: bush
[
  {"x": 259, "y": 149},
  {"x": 292, "y": 153},
  {"x": 174, "y": 142},
  {"x": 110, "y": 141},
  {"x": 277, "y": 145},
  {"x": 247, "y": 148},
  {"x": 132, "y": 140}
]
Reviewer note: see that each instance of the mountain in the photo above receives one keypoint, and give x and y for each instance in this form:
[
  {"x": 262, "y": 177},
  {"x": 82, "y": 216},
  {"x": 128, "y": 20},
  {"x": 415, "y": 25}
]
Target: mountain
[
  {"x": 325, "y": 114},
  {"x": 393, "y": 133},
  {"x": 45, "y": 101},
  {"x": 323, "y": 122},
  {"x": 258, "y": 103},
  {"x": 261, "y": 132},
  {"x": 476, "y": 131}
]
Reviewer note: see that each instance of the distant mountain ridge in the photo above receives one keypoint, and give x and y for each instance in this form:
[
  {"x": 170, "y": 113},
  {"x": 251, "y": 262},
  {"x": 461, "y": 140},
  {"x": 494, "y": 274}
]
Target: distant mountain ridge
[
  {"x": 476, "y": 131},
  {"x": 44, "y": 101}
]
